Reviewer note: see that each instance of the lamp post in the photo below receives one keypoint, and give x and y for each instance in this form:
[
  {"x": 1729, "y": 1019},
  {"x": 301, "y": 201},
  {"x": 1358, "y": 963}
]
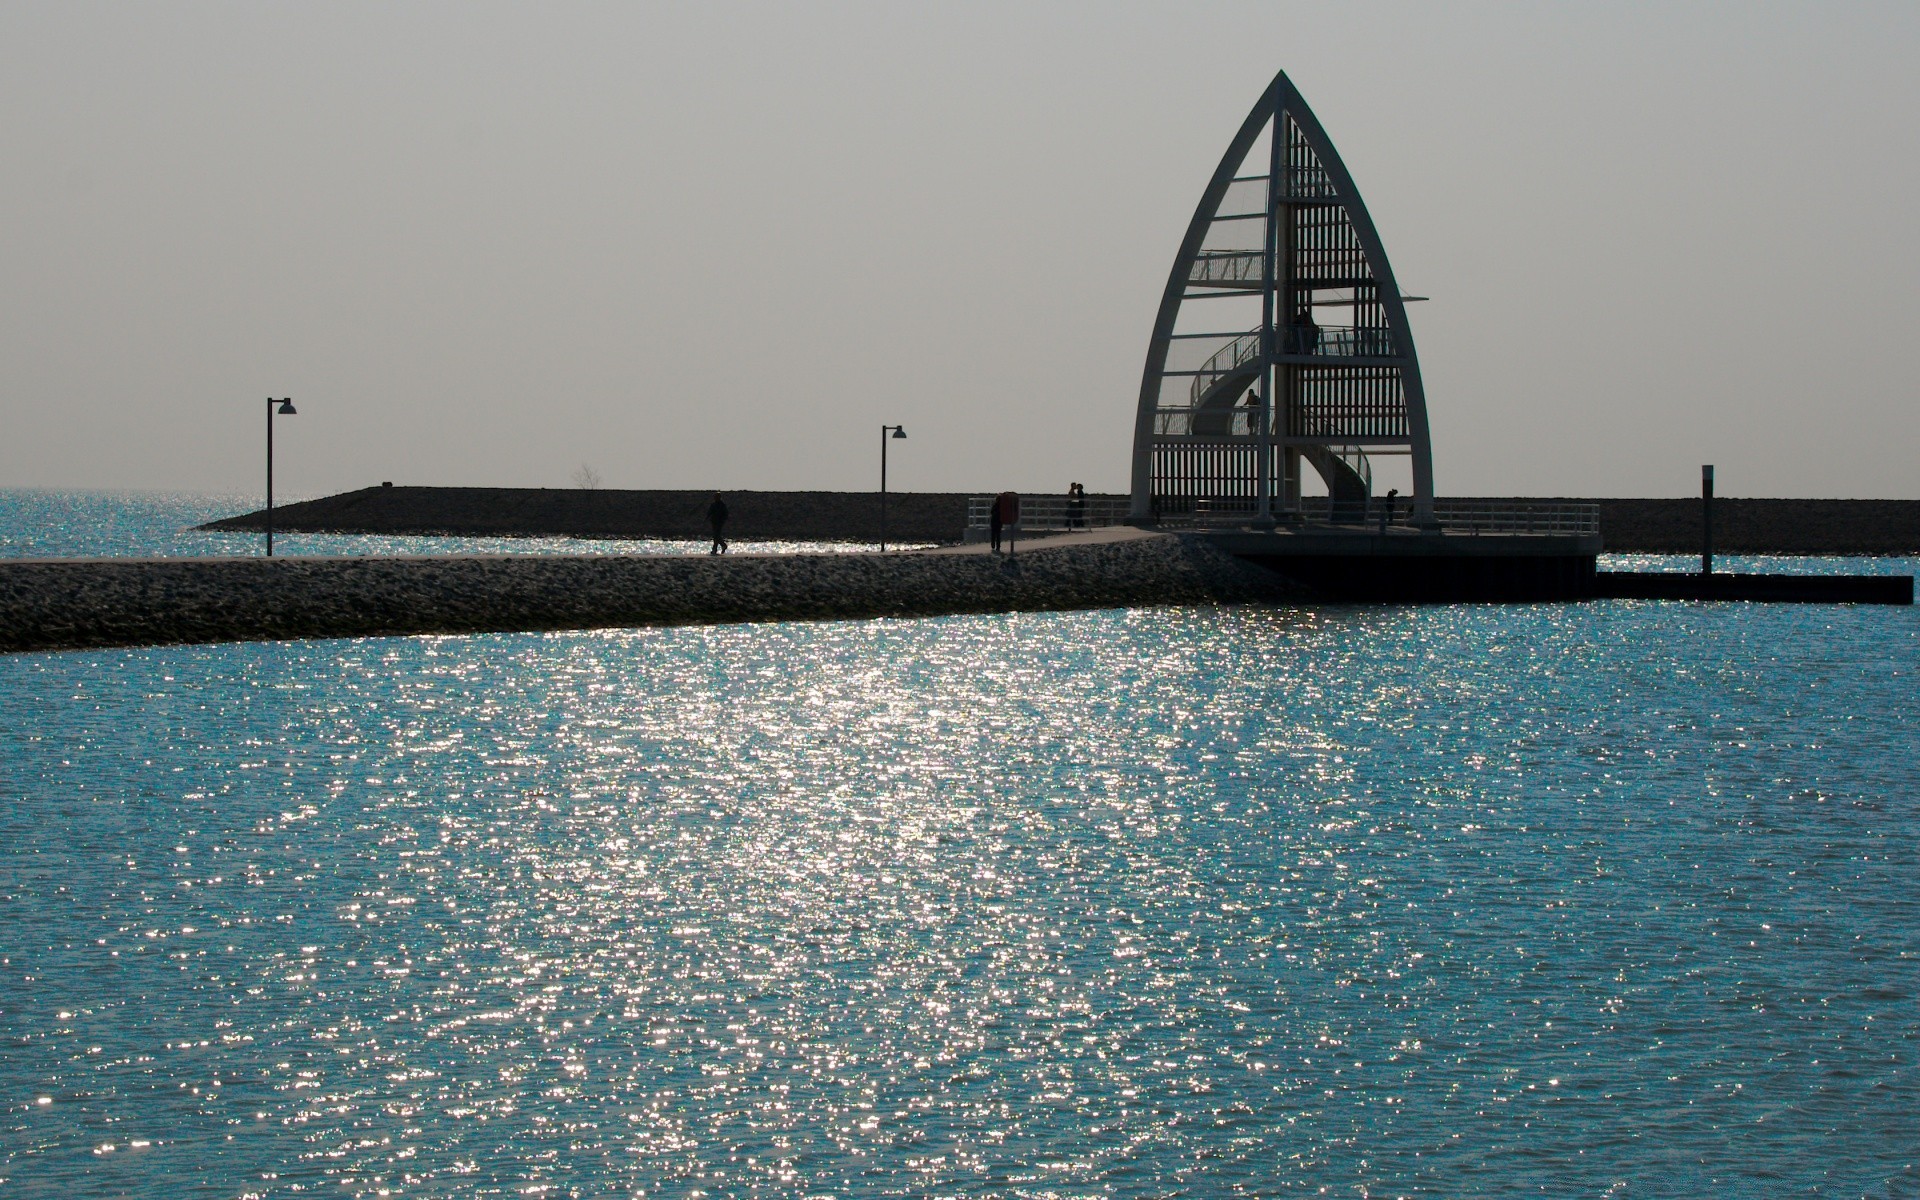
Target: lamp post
[
  {"x": 286, "y": 409},
  {"x": 898, "y": 431},
  {"x": 1706, "y": 519}
]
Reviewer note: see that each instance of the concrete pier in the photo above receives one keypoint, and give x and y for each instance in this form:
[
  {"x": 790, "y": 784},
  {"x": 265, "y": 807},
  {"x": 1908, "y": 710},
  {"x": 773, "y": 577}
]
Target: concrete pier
[
  {"x": 1403, "y": 565},
  {"x": 1670, "y": 526}
]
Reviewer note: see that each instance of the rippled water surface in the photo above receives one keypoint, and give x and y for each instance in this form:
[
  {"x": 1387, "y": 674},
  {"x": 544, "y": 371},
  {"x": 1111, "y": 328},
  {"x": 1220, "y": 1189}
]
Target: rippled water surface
[
  {"x": 1605, "y": 899},
  {"x": 1160, "y": 902}
]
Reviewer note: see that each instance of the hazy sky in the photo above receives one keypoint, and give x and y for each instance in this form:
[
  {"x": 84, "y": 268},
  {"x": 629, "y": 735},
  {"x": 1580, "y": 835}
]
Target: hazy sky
[{"x": 718, "y": 245}]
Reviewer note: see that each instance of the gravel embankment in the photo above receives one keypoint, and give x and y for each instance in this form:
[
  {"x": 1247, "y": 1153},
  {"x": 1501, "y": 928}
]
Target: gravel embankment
[{"x": 49, "y": 605}]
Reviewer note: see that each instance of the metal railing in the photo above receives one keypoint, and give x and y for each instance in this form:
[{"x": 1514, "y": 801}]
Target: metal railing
[
  {"x": 1337, "y": 341},
  {"x": 1307, "y": 183},
  {"x": 1234, "y": 421},
  {"x": 1054, "y": 514},
  {"x": 1320, "y": 341},
  {"x": 1242, "y": 420},
  {"x": 1471, "y": 517},
  {"x": 1356, "y": 459},
  {"x": 1224, "y": 361},
  {"x": 1512, "y": 516},
  {"x": 1226, "y": 266},
  {"x": 1187, "y": 512}
]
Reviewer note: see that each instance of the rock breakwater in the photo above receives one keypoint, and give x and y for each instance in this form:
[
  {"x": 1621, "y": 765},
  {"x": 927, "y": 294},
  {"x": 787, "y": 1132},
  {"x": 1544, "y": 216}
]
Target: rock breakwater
[{"x": 52, "y": 605}]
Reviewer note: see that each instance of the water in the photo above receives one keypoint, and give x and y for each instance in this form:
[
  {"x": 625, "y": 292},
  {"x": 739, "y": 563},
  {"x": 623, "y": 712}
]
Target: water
[
  {"x": 1602, "y": 899},
  {"x": 39, "y": 523}
]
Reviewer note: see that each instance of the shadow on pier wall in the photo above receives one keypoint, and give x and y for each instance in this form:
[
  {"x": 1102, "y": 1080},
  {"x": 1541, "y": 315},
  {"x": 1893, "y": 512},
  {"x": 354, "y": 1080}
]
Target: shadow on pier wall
[{"x": 1436, "y": 579}]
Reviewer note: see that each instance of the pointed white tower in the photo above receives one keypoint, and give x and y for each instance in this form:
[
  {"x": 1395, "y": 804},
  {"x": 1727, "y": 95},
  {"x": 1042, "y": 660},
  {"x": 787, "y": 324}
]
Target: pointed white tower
[{"x": 1282, "y": 339}]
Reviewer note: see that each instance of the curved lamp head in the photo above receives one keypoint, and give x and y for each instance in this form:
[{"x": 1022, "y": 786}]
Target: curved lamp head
[
  {"x": 899, "y": 431},
  {"x": 287, "y": 409}
]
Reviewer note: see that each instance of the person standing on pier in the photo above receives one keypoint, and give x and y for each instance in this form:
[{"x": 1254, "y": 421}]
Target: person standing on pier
[
  {"x": 993, "y": 523},
  {"x": 717, "y": 517}
]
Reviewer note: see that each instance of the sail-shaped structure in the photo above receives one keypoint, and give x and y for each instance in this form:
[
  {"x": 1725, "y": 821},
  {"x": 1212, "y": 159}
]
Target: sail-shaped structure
[{"x": 1281, "y": 341}]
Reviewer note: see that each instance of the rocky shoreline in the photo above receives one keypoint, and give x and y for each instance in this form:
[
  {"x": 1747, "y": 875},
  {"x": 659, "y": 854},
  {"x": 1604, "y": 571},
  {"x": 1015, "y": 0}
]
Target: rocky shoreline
[
  {"x": 60, "y": 605},
  {"x": 1663, "y": 526}
]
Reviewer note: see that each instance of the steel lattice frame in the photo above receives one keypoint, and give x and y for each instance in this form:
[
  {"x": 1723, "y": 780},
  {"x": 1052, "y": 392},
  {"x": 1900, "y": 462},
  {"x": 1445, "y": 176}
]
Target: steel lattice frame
[{"x": 1319, "y": 394}]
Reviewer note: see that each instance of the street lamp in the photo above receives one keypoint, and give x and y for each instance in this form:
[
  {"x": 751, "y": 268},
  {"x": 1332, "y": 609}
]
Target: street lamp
[
  {"x": 286, "y": 409},
  {"x": 899, "y": 431}
]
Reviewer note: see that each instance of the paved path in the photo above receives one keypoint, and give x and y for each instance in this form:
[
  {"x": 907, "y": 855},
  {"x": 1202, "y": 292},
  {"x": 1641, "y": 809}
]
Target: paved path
[{"x": 1104, "y": 536}]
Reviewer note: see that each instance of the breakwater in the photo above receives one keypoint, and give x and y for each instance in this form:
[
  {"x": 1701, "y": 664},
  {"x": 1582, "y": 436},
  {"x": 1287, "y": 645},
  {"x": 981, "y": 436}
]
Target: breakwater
[
  {"x": 1661, "y": 526},
  {"x": 49, "y": 605},
  {"x": 1761, "y": 526},
  {"x": 611, "y": 513}
]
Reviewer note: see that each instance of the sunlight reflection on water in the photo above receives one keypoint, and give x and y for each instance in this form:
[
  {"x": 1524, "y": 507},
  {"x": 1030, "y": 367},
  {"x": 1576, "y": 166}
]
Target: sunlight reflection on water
[{"x": 1152, "y": 902}]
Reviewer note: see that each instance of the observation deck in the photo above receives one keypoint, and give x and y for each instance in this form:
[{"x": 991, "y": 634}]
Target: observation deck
[
  {"x": 1282, "y": 345},
  {"x": 1282, "y": 341}
]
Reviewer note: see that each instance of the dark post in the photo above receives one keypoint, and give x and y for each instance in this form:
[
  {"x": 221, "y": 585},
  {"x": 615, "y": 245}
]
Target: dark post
[
  {"x": 286, "y": 409},
  {"x": 1706, "y": 519},
  {"x": 269, "y": 476},
  {"x": 899, "y": 431}
]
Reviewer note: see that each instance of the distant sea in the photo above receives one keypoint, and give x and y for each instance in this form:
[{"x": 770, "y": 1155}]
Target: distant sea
[
  {"x": 1603, "y": 899},
  {"x": 38, "y": 523}
]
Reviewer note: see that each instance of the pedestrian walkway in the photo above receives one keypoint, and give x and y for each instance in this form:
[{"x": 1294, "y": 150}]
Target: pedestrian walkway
[{"x": 1048, "y": 541}]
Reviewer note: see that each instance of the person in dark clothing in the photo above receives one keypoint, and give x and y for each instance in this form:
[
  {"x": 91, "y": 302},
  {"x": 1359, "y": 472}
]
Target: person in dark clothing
[
  {"x": 993, "y": 522},
  {"x": 717, "y": 517},
  {"x": 1309, "y": 332},
  {"x": 1076, "y": 507}
]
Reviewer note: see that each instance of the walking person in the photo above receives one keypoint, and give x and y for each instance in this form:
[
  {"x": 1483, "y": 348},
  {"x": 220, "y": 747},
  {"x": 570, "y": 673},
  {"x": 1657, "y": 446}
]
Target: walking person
[
  {"x": 1007, "y": 510},
  {"x": 717, "y": 517},
  {"x": 1076, "y": 506},
  {"x": 993, "y": 522}
]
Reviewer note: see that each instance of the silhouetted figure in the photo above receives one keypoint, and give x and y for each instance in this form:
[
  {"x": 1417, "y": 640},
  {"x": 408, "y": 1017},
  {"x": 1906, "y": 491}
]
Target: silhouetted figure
[
  {"x": 717, "y": 517},
  {"x": 1252, "y": 404},
  {"x": 1309, "y": 332},
  {"x": 1386, "y": 514},
  {"x": 993, "y": 522},
  {"x": 1007, "y": 510},
  {"x": 1076, "y": 506}
]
